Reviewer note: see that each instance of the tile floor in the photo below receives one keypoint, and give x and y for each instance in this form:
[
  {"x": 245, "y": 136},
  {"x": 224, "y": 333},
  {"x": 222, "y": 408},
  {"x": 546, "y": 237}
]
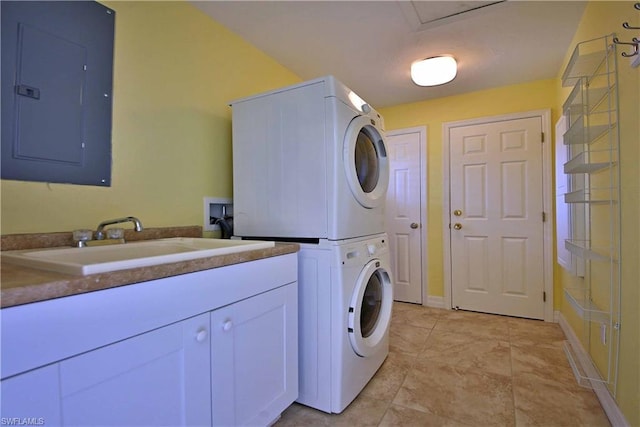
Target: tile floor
[{"x": 457, "y": 368}]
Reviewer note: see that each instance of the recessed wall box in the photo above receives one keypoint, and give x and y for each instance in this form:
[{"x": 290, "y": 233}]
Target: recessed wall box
[{"x": 218, "y": 208}]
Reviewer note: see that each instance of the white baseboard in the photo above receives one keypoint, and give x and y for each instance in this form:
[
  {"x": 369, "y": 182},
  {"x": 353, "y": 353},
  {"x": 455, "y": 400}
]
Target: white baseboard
[
  {"x": 615, "y": 415},
  {"x": 435, "y": 302}
]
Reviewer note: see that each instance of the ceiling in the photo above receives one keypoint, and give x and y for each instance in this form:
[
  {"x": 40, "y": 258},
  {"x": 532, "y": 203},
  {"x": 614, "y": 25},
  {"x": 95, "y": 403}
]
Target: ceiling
[{"x": 370, "y": 45}]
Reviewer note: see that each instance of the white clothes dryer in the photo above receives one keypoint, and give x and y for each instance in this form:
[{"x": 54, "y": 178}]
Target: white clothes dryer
[
  {"x": 309, "y": 161},
  {"x": 344, "y": 311}
]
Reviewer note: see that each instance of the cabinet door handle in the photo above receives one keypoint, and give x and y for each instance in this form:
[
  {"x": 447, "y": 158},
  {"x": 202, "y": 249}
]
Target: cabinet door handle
[
  {"x": 227, "y": 325},
  {"x": 201, "y": 335}
]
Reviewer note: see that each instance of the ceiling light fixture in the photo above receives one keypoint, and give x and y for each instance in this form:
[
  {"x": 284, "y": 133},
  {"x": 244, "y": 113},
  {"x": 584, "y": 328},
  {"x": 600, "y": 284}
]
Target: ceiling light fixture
[{"x": 434, "y": 71}]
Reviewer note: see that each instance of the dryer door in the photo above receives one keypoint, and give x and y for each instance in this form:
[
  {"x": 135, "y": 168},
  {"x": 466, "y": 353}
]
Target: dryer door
[
  {"x": 370, "y": 309},
  {"x": 366, "y": 163}
]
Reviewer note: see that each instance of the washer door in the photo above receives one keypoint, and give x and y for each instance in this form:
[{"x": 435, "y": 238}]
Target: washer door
[
  {"x": 370, "y": 309},
  {"x": 366, "y": 163}
]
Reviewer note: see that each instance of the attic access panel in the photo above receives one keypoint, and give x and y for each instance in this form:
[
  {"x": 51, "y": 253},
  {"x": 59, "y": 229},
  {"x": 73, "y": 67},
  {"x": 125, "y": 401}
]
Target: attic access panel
[
  {"x": 427, "y": 14},
  {"x": 57, "y": 66}
]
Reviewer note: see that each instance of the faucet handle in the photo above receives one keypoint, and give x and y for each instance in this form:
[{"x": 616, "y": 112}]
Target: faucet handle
[
  {"x": 80, "y": 237},
  {"x": 115, "y": 233}
]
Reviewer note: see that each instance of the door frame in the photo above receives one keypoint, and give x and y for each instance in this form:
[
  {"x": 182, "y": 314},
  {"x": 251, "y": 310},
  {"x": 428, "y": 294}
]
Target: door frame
[
  {"x": 547, "y": 202},
  {"x": 424, "y": 228}
]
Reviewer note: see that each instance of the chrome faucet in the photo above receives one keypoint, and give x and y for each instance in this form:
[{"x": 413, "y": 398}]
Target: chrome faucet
[{"x": 136, "y": 222}]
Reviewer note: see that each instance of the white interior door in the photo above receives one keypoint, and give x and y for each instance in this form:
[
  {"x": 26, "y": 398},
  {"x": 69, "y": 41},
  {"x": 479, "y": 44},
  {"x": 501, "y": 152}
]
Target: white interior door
[
  {"x": 405, "y": 224},
  {"x": 496, "y": 217}
]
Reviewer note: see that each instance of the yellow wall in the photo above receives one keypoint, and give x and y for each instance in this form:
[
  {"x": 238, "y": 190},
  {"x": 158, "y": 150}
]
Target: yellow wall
[
  {"x": 174, "y": 72},
  {"x": 599, "y": 19},
  {"x": 433, "y": 113}
]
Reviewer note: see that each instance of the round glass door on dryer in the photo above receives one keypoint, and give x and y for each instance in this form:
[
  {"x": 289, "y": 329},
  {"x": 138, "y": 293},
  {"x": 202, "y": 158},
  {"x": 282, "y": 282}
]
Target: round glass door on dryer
[
  {"x": 370, "y": 306},
  {"x": 361, "y": 175},
  {"x": 365, "y": 161}
]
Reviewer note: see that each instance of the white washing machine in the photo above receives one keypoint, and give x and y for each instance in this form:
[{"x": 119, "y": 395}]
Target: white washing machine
[
  {"x": 309, "y": 161},
  {"x": 345, "y": 300}
]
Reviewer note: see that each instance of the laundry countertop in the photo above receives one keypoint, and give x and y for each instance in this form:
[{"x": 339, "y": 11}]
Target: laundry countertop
[{"x": 23, "y": 285}]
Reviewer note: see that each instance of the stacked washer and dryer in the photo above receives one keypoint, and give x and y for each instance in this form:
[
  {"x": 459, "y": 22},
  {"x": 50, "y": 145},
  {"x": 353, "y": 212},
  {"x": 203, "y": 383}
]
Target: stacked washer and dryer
[{"x": 310, "y": 166}]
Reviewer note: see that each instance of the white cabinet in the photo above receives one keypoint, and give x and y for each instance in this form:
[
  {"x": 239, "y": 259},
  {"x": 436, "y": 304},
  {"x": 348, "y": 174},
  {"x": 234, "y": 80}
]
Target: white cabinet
[
  {"x": 233, "y": 363},
  {"x": 157, "y": 378},
  {"x": 33, "y": 396},
  {"x": 254, "y": 362}
]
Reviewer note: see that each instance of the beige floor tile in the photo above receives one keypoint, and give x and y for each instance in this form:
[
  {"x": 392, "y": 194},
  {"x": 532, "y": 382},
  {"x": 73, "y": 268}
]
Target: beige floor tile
[
  {"x": 300, "y": 415},
  {"x": 495, "y": 331},
  {"x": 460, "y": 368},
  {"x": 416, "y": 308},
  {"x": 535, "y": 332},
  {"x": 540, "y": 403},
  {"x": 408, "y": 339},
  {"x": 475, "y": 352},
  {"x": 420, "y": 318},
  {"x": 468, "y": 323},
  {"x": 547, "y": 364},
  {"x": 363, "y": 411},
  {"x": 387, "y": 381},
  {"x": 472, "y": 315},
  {"x": 397, "y": 416},
  {"x": 397, "y": 305},
  {"x": 463, "y": 395}
]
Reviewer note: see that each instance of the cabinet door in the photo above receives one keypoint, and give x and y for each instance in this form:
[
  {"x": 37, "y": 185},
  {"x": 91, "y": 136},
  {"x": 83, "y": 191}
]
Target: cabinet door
[
  {"x": 254, "y": 358},
  {"x": 33, "y": 396},
  {"x": 157, "y": 378}
]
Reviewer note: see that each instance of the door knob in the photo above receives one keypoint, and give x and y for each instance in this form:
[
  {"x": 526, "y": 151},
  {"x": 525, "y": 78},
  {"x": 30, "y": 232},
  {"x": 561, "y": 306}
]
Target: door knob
[
  {"x": 457, "y": 212},
  {"x": 414, "y": 225},
  {"x": 457, "y": 226}
]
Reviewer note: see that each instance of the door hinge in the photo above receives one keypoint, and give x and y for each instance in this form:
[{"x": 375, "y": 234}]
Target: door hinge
[
  {"x": 541, "y": 136},
  {"x": 544, "y": 217},
  {"x": 544, "y": 296}
]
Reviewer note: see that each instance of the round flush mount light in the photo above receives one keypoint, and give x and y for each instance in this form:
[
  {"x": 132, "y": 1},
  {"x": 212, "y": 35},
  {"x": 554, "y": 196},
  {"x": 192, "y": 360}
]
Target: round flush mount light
[{"x": 434, "y": 71}]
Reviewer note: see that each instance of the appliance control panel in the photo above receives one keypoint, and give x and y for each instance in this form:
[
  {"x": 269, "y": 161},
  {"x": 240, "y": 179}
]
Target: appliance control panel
[
  {"x": 364, "y": 250},
  {"x": 374, "y": 248}
]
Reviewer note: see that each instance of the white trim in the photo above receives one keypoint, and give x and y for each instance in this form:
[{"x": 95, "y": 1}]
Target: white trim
[
  {"x": 615, "y": 415},
  {"x": 435, "y": 302},
  {"x": 547, "y": 200},
  {"x": 422, "y": 130}
]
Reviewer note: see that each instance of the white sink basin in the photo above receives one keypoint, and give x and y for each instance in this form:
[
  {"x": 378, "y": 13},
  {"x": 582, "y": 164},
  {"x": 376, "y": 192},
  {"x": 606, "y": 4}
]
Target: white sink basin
[{"x": 101, "y": 259}]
